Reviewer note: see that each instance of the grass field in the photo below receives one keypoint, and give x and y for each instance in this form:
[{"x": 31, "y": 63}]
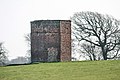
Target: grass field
[{"x": 83, "y": 70}]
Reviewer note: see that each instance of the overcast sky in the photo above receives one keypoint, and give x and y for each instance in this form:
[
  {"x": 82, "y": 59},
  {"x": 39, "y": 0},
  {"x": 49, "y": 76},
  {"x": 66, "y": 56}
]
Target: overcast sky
[{"x": 15, "y": 17}]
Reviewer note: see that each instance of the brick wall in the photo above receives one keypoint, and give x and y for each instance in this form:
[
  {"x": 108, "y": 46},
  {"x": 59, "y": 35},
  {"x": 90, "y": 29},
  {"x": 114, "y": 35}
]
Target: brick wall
[
  {"x": 50, "y": 40},
  {"x": 65, "y": 33}
]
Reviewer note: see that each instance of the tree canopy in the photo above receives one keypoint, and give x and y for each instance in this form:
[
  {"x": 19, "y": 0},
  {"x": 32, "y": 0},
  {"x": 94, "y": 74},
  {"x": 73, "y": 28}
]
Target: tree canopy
[
  {"x": 3, "y": 54},
  {"x": 99, "y": 30}
]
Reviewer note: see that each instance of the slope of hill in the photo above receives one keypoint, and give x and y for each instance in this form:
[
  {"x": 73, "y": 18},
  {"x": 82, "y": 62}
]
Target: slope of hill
[{"x": 83, "y": 70}]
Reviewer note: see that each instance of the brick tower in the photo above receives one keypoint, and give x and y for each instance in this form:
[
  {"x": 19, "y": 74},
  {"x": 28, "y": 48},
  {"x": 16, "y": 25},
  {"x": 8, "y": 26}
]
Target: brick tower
[{"x": 50, "y": 40}]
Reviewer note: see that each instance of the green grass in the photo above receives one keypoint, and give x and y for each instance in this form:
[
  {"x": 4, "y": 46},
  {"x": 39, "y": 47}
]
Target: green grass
[{"x": 83, "y": 70}]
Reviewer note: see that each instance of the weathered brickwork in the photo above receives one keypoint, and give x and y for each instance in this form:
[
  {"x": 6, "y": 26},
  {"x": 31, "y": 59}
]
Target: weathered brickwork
[
  {"x": 50, "y": 40},
  {"x": 65, "y": 34}
]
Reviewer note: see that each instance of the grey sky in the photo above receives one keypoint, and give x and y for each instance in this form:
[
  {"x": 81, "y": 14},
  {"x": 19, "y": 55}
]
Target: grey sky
[{"x": 15, "y": 17}]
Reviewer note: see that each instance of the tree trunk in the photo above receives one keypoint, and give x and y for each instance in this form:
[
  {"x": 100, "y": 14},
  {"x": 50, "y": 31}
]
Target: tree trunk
[
  {"x": 104, "y": 53},
  {"x": 94, "y": 57},
  {"x": 105, "y": 56},
  {"x": 90, "y": 57}
]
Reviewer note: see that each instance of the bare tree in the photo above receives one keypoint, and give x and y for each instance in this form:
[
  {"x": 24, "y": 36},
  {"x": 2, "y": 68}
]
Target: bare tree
[
  {"x": 73, "y": 50},
  {"x": 91, "y": 51},
  {"x": 28, "y": 40},
  {"x": 3, "y": 54},
  {"x": 100, "y": 30}
]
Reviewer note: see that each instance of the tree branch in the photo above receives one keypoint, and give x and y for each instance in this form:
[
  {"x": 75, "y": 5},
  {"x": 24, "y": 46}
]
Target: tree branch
[{"x": 90, "y": 42}]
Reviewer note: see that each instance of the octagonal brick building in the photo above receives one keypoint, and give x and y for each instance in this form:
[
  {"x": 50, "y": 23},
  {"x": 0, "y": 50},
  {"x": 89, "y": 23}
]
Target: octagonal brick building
[{"x": 50, "y": 40}]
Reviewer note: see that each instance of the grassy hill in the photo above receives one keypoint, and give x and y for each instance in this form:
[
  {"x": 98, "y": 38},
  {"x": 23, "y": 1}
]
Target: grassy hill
[{"x": 83, "y": 70}]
